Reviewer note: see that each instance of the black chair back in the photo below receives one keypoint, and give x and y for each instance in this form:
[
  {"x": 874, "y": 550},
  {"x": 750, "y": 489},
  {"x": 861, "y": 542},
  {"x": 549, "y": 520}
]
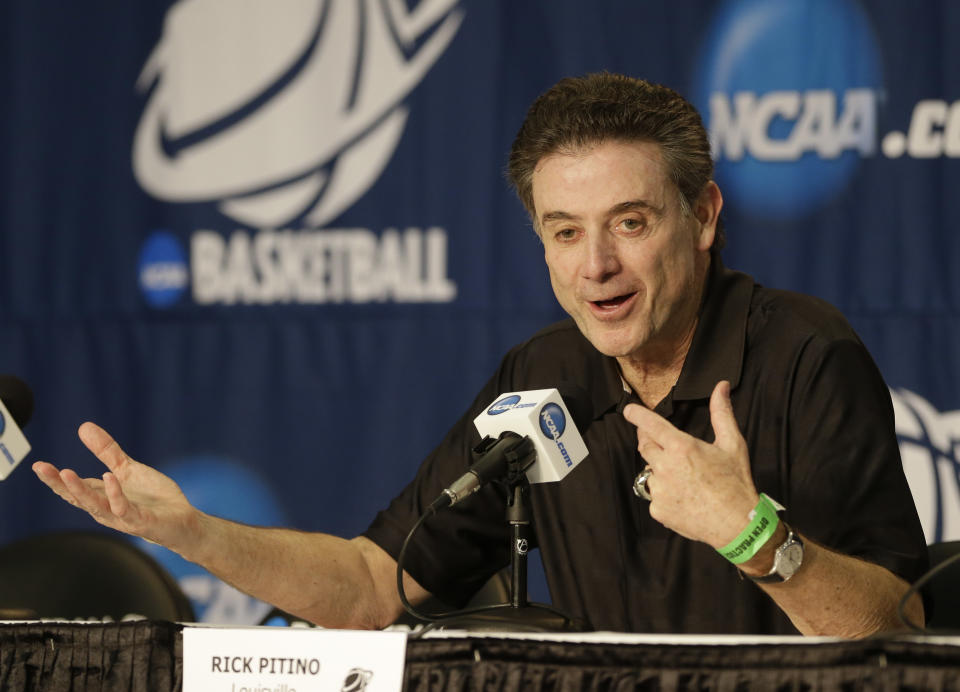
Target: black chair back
[
  {"x": 84, "y": 575},
  {"x": 942, "y": 590}
]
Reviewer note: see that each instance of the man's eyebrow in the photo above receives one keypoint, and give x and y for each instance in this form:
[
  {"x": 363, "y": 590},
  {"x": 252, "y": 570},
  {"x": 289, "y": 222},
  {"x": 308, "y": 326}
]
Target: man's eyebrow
[
  {"x": 630, "y": 205},
  {"x": 636, "y": 205},
  {"x": 556, "y": 216}
]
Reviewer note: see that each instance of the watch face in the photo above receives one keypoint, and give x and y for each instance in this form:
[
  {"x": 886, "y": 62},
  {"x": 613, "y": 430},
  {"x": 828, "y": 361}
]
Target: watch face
[{"x": 790, "y": 558}]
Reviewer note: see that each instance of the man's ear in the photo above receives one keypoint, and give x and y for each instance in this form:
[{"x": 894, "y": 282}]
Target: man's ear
[{"x": 707, "y": 211}]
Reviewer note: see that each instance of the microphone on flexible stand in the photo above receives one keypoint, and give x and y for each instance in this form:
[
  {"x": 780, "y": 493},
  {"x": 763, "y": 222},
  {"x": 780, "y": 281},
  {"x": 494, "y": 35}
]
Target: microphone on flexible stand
[
  {"x": 495, "y": 459},
  {"x": 16, "y": 407},
  {"x": 537, "y": 442},
  {"x": 542, "y": 421}
]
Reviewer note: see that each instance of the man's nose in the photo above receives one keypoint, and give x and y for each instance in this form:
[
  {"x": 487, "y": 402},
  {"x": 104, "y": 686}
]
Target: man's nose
[{"x": 602, "y": 260}]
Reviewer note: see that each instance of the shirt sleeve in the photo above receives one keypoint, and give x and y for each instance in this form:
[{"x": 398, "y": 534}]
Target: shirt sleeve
[
  {"x": 458, "y": 549},
  {"x": 847, "y": 486}
]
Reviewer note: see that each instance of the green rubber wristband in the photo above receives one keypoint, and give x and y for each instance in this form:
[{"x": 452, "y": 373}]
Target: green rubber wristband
[{"x": 762, "y": 526}]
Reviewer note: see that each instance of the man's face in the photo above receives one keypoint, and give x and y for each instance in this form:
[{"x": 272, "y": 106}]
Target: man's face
[{"x": 625, "y": 261}]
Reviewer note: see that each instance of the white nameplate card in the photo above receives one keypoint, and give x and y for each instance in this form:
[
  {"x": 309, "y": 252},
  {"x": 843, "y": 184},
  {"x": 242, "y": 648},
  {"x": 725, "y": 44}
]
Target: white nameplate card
[{"x": 273, "y": 659}]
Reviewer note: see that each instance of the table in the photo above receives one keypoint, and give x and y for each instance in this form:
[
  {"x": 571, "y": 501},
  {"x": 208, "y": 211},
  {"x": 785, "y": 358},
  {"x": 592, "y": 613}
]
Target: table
[{"x": 147, "y": 655}]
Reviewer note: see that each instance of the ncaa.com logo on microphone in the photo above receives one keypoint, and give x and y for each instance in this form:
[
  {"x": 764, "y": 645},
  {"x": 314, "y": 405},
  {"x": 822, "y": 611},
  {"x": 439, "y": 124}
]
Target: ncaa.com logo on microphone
[
  {"x": 507, "y": 403},
  {"x": 553, "y": 423},
  {"x": 791, "y": 119},
  {"x": 282, "y": 120}
]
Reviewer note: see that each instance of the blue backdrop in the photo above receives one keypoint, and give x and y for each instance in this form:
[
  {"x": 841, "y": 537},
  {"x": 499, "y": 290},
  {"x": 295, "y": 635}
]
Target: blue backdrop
[{"x": 270, "y": 246}]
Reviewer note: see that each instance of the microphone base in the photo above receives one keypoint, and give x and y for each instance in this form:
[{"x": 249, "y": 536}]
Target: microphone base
[{"x": 506, "y": 618}]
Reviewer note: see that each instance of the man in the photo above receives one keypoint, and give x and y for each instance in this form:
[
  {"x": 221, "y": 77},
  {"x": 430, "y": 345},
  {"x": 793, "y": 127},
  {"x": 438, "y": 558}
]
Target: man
[{"x": 679, "y": 355}]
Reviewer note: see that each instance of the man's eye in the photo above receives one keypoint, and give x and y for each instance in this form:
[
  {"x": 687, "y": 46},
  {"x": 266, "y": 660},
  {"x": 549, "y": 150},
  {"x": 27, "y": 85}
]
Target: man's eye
[
  {"x": 632, "y": 225},
  {"x": 566, "y": 234}
]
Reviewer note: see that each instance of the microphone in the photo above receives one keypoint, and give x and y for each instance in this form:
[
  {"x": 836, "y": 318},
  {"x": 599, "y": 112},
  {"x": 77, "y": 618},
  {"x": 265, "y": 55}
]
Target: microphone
[
  {"x": 16, "y": 407},
  {"x": 534, "y": 429}
]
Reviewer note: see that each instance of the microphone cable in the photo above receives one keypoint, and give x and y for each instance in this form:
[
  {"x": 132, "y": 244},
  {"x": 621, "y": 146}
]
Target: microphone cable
[
  {"x": 433, "y": 619},
  {"x": 408, "y": 606},
  {"x": 915, "y": 588}
]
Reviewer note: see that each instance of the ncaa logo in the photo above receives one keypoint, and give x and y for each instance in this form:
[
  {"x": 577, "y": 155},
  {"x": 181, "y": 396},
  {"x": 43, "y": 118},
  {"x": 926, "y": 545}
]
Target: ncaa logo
[
  {"x": 503, "y": 405},
  {"x": 552, "y": 421},
  {"x": 164, "y": 272},
  {"x": 789, "y": 93},
  {"x": 282, "y": 114}
]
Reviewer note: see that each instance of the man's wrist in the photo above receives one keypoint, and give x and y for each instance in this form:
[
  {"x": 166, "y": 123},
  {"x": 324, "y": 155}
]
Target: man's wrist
[
  {"x": 196, "y": 537},
  {"x": 762, "y": 523},
  {"x": 761, "y": 563}
]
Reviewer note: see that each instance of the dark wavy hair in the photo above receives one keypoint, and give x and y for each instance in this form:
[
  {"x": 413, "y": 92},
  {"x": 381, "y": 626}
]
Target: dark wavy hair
[{"x": 580, "y": 112}]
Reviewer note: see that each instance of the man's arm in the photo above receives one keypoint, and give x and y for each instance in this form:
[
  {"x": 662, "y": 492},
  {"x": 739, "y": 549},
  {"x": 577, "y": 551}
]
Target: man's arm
[
  {"x": 705, "y": 492},
  {"x": 324, "y": 579},
  {"x": 834, "y": 594}
]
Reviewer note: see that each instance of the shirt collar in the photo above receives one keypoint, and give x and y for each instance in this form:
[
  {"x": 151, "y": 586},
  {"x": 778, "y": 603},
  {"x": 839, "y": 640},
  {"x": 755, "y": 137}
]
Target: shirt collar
[
  {"x": 616, "y": 393},
  {"x": 716, "y": 352},
  {"x": 719, "y": 341}
]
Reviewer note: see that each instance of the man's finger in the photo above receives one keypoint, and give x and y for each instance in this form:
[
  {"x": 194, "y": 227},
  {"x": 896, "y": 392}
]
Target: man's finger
[
  {"x": 50, "y": 476},
  {"x": 82, "y": 491},
  {"x": 119, "y": 504},
  {"x": 103, "y": 446},
  {"x": 725, "y": 429},
  {"x": 48, "y": 473},
  {"x": 652, "y": 451},
  {"x": 655, "y": 426}
]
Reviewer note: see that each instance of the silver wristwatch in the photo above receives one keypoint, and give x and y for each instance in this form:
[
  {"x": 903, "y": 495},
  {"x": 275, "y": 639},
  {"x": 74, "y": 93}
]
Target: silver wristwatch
[{"x": 786, "y": 560}]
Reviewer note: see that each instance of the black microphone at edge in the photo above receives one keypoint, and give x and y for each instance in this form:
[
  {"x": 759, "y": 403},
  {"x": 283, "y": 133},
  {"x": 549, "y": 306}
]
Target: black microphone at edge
[
  {"x": 17, "y": 397},
  {"x": 16, "y": 407}
]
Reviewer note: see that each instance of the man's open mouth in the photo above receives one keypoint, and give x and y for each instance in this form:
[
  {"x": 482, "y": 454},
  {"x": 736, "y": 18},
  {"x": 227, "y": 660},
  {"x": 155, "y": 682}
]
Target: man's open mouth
[{"x": 610, "y": 303}]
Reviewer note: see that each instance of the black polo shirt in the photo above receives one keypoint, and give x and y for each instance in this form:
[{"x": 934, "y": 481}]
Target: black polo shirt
[{"x": 819, "y": 426}]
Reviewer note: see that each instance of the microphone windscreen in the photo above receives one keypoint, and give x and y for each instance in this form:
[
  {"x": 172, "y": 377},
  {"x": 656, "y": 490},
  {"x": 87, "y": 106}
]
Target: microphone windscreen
[
  {"x": 17, "y": 397},
  {"x": 548, "y": 418}
]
